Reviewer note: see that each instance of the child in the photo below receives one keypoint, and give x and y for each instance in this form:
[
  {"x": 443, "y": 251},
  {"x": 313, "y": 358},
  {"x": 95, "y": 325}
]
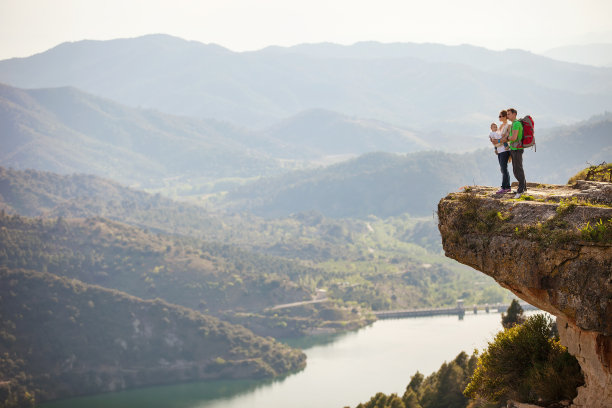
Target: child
[{"x": 494, "y": 136}]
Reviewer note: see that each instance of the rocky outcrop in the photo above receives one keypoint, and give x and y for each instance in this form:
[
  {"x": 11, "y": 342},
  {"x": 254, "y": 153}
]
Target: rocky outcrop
[{"x": 553, "y": 249}]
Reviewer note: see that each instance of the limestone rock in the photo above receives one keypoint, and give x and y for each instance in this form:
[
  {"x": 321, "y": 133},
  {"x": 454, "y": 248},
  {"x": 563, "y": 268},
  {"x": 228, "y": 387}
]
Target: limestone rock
[{"x": 553, "y": 249}]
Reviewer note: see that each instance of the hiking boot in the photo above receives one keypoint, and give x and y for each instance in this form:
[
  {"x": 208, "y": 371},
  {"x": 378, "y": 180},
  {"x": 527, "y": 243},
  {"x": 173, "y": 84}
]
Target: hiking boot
[
  {"x": 518, "y": 195},
  {"x": 503, "y": 191}
]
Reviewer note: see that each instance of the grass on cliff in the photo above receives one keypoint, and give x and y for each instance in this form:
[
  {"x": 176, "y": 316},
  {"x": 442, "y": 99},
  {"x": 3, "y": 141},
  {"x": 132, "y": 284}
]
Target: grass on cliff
[
  {"x": 557, "y": 231},
  {"x": 599, "y": 231},
  {"x": 600, "y": 172},
  {"x": 474, "y": 216}
]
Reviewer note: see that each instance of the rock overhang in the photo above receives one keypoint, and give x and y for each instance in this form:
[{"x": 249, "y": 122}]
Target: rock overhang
[
  {"x": 539, "y": 246},
  {"x": 553, "y": 249}
]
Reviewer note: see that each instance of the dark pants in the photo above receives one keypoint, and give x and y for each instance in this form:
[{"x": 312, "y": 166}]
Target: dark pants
[
  {"x": 517, "y": 169},
  {"x": 503, "y": 165}
]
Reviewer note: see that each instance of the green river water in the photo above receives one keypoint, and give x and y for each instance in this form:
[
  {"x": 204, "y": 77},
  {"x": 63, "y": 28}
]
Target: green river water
[{"x": 342, "y": 370}]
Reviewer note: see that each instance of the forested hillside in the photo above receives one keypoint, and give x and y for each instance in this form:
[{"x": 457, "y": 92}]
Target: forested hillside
[
  {"x": 199, "y": 275},
  {"x": 60, "y": 337},
  {"x": 38, "y": 193},
  {"x": 379, "y": 263},
  {"x": 380, "y": 184}
]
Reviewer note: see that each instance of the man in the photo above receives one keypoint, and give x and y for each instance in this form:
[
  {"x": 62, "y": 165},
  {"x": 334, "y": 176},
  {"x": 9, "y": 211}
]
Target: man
[{"x": 515, "y": 138}]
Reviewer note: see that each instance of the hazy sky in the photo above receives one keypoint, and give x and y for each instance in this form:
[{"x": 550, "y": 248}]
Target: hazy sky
[{"x": 31, "y": 26}]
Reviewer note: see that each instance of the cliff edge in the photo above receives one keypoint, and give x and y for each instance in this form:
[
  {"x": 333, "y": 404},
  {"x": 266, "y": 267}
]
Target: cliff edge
[{"x": 553, "y": 249}]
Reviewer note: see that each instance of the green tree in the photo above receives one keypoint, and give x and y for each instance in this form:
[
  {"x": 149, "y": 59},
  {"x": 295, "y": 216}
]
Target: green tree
[
  {"x": 514, "y": 315},
  {"x": 415, "y": 381},
  {"x": 381, "y": 400},
  {"x": 411, "y": 400},
  {"x": 526, "y": 363},
  {"x": 444, "y": 388}
]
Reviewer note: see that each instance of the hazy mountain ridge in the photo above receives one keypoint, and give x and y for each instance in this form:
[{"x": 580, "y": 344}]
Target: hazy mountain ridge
[
  {"x": 418, "y": 89},
  {"x": 589, "y": 54},
  {"x": 564, "y": 151},
  {"x": 384, "y": 184},
  {"x": 519, "y": 62},
  {"x": 319, "y": 133},
  {"x": 381, "y": 184},
  {"x": 65, "y": 130}
]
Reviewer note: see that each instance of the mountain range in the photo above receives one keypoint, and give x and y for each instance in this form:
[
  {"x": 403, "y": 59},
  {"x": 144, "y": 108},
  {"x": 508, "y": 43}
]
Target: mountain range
[
  {"x": 65, "y": 130},
  {"x": 425, "y": 87},
  {"x": 380, "y": 184}
]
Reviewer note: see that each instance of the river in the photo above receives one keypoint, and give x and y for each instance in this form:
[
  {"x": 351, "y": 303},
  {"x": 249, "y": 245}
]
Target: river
[{"x": 342, "y": 370}]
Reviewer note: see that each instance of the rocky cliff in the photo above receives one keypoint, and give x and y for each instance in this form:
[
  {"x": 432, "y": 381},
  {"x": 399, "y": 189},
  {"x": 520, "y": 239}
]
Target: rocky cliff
[{"x": 553, "y": 249}]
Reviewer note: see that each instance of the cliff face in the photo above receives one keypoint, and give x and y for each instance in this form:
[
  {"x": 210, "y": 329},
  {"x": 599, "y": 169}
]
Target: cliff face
[{"x": 553, "y": 249}]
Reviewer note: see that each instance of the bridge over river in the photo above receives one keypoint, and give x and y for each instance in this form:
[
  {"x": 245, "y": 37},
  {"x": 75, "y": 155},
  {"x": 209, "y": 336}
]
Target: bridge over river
[{"x": 458, "y": 310}]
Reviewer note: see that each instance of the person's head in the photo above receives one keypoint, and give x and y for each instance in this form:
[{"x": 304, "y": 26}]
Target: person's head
[
  {"x": 494, "y": 127},
  {"x": 511, "y": 113},
  {"x": 503, "y": 116}
]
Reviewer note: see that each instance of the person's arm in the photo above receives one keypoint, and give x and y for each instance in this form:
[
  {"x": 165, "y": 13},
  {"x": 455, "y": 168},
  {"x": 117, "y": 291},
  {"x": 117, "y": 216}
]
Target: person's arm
[
  {"x": 513, "y": 135},
  {"x": 505, "y": 134},
  {"x": 514, "y": 132}
]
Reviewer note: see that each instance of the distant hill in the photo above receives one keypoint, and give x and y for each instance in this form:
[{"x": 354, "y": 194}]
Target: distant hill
[
  {"x": 565, "y": 150},
  {"x": 599, "y": 55},
  {"x": 523, "y": 64},
  {"x": 62, "y": 338},
  {"x": 423, "y": 87},
  {"x": 65, "y": 130},
  {"x": 317, "y": 133},
  {"x": 35, "y": 193},
  {"x": 380, "y": 184},
  {"x": 384, "y": 184}
]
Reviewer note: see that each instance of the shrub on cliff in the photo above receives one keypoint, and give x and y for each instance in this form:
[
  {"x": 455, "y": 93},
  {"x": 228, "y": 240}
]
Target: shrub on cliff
[{"x": 526, "y": 363}]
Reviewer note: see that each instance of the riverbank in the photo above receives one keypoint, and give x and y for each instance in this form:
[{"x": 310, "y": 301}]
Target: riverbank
[{"x": 342, "y": 369}]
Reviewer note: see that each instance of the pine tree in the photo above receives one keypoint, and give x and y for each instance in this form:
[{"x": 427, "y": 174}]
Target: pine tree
[{"x": 514, "y": 315}]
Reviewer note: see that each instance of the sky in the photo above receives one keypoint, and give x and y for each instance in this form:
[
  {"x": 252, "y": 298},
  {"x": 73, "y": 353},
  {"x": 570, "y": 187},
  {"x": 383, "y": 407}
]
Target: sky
[{"x": 28, "y": 27}]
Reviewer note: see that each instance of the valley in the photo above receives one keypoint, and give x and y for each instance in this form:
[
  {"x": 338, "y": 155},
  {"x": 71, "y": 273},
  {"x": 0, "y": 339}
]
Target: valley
[{"x": 173, "y": 211}]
